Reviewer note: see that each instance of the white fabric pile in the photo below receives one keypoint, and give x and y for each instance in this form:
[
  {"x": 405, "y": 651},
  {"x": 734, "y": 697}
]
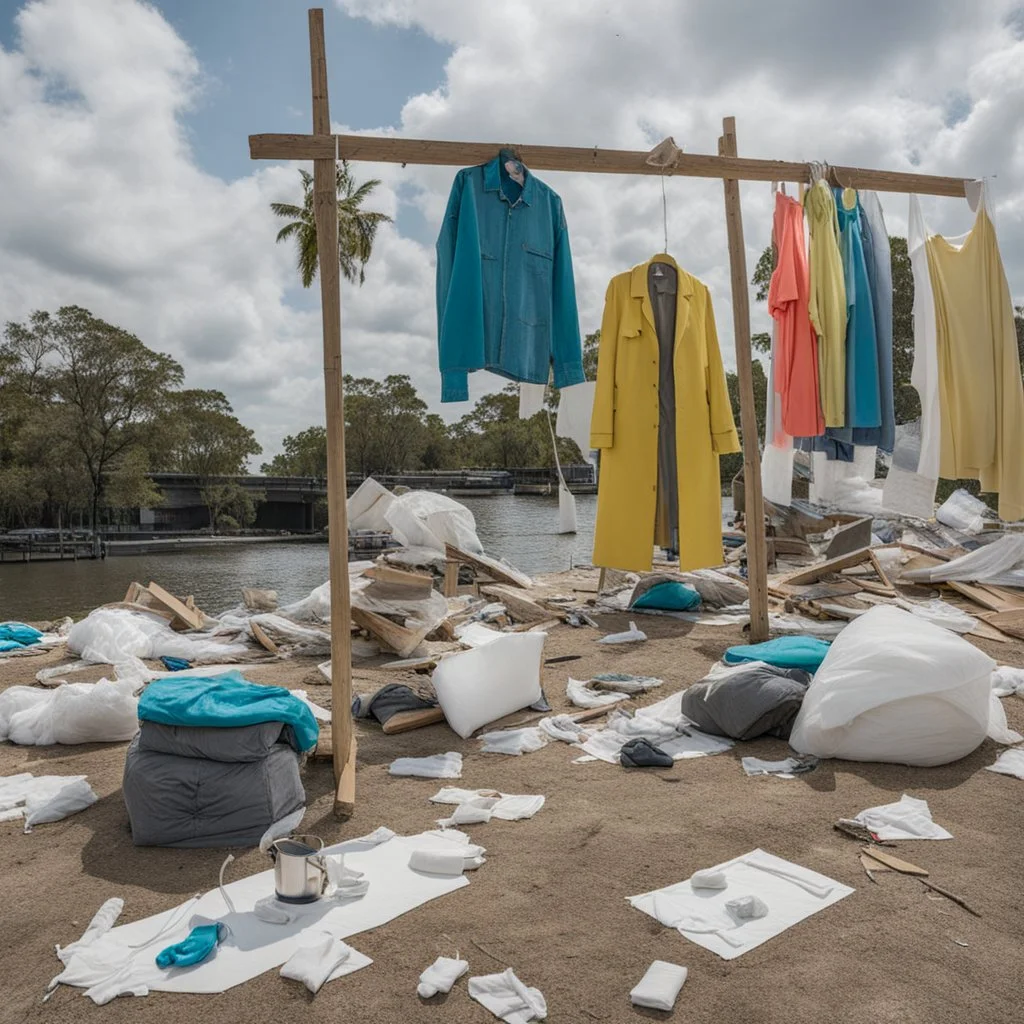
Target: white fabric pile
[
  {"x": 43, "y": 798},
  {"x": 103, "y": 712},
  {"x": 474, "y": 806},
  {"x": 907, "y": 818},
  {"x": 437, "y": 766}
]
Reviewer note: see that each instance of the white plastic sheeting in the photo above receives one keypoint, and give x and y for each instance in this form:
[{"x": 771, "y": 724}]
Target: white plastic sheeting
[
  {"x": 896, "y": 688},
  {"x": 103, "y": 712},
  {"x": 964, "y": 512},
  {"x": 113, "y": 635},
  {"x": 481, "y": 685},
  {"x": 425, "y": 519},
  {"x": 1000, "y": 563},
  {"x": 43, "y": 798}
]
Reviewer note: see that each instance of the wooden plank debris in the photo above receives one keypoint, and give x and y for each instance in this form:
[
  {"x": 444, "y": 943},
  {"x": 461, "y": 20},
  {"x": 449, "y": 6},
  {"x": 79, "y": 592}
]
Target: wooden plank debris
[
  {"x": 261, "y": 637},
  {"x": 405, "y": 721},
  {"x": 191, "y": 617},
  {"x": 521, "y": 607},
  {"x": 854, "y": 536},
  {"x": 813, "y": 573},
  {"x": 489, "y": 567},
  {"x": 397, "y": 638}
]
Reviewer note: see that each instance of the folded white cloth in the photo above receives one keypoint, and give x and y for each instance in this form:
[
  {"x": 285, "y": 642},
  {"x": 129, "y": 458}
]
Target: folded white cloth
[
  {"x": 315, "y": 962},
  {"x": 564, "y": 728},
  {"x": 508, "y": 998},
  {"x": 583, "y": 696},
  {"x": 513, "y": 741},
  {"x": 747, "y": 908},
  {"x": 440, "y": 976},
  {"x": 659, "y": 988},
  {"x": 508, "y": 807},
  {"x": 445, "y": 862},
  {"x": 709, "y": 878},
  {"x": 907, "y": 818},
  {"x": 1009, "y": 762},
  {"x": 472, "y": 812},
  {"x": 437, "y": 766}
]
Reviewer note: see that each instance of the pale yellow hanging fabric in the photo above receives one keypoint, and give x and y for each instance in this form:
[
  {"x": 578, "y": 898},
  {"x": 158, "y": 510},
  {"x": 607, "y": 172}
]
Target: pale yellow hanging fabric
[
  {"x": 981, "y": 397},
  {"x": 827, "y": 301}
]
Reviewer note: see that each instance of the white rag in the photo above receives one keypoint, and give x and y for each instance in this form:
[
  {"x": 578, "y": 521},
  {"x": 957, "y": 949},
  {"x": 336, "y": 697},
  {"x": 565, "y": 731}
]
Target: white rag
[
  {"x": 344, "y": 883},
  {"x": 1007, "y": 680},
  {"x": 43, "y": 798},
  {"x": 632, "y": 635},
  {"x": 908, "y": 818},
  {"x": 508, "y": 998},
  {"x": 437, "y": 766},
  {"x": 659, "y": 988},
  {"x": 315, "y": 962},
  {"x": 509, "y": 807},
  {"x": 1009, "y": 762},
  {"x": 101, "y": 923},
  {"x": 444, "y": 862},
  {"x": 473, "y": 812},
  {"x": 513, "y": 741},
  {"x": 440, "y": 976},
  {"x": 581, "y": 694},
  {"x": 564, "y": 728}
]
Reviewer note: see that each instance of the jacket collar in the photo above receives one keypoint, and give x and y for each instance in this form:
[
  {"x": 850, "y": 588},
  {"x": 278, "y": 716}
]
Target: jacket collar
[
  {"x": 492, "y": 177},
  {"x": 684, "y": 291}
]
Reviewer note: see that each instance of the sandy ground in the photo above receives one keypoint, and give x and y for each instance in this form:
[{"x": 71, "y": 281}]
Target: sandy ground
[{"x": 550, "y": 902}]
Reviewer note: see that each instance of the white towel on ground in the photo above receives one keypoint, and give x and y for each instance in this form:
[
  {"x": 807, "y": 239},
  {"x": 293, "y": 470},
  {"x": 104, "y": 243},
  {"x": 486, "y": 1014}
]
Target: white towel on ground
[
  {"x": 509, "y": 807},
  {"x": 907, "y": 818},
  {"x": 437, "y": 766},
  {"x": 440, "y": 976},
  {"x": 659, "y": 988},
  {"x": 472, "y": 812},
  {"x": 1009, "y": 762},
  {"x": 513, "y": 741},
  {"x": 508, "y": 998}
]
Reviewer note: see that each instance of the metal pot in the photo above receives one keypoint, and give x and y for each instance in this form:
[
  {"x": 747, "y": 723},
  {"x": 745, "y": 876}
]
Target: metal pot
[{"x": 299, "y": 870}]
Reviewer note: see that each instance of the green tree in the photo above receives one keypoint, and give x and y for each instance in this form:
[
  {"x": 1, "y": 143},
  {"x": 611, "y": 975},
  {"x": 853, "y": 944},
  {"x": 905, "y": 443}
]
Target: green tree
[
  {"x": 730, "y": 465},
  {"x": 591, "y": 344},
  {"x": 357, "y": 228},
  {"x": 906, "y": 404},
  {"x": 384, "y": 424},
  {"x": 762, "y": 341},
  {"x": 102, "y": 385},
  {"x": 305, "y": 454}
]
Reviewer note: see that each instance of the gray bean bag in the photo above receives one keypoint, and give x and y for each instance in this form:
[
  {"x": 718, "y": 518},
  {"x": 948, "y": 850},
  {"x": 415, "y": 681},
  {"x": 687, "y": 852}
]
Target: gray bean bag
[
  {"x": 752, "y": 700},
  {"x": 201, "y": 801}
]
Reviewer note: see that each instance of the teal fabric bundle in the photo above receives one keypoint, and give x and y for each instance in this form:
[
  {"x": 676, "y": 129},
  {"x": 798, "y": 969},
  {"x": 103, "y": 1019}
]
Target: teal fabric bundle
[
  {"x": 16, "y": 634},
  {"x": 806, "y": 652},
  {"x": 668, "y": 596}
]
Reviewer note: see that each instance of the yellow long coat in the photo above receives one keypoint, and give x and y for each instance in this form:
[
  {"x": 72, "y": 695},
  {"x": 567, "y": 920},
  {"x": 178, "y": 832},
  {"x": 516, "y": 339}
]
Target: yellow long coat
[{"x": 625, "y": 424}]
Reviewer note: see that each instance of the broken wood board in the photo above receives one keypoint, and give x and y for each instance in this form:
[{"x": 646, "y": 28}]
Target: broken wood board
[
  {"x": 324, "y": 749},
  {"x": 894, "y": 863},
  {"x": 1011, "y": 622},
  {"x": 854, "y": 536},
  {"x": 823, "y": 591},
  {"x": 191, "y": 617},
  {"x": 405, "y": 721},
  {"x": 490, "y": 567},
  {"x": 396, "y": 638},
  {"x": 261, "y": 637},
  {"x": 792, "y": 546},
  {"x": 982, "y": 596},
  {"x": 391, "y": 584},
  {"x": 814, "y": 573},
  {"x": 519, "y": 605}
]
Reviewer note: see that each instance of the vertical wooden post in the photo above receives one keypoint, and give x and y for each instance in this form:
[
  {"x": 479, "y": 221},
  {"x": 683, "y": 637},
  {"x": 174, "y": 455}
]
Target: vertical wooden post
[
  {"x": 757, "y": 558},
  {"x": 325, "y": 205}
]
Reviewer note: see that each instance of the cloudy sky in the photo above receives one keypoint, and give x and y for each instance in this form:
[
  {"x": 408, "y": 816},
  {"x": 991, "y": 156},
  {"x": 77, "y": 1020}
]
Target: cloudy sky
[{"x": 125, "y": 183}]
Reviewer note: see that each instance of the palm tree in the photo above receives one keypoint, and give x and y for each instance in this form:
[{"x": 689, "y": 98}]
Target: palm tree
[{"x": 357, "y": 228}]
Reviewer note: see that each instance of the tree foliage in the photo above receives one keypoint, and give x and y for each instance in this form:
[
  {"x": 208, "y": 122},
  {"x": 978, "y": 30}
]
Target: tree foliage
[{"x": 357, "y": 228}]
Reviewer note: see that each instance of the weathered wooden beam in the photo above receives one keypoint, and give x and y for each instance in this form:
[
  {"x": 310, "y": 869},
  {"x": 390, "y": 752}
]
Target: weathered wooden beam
[{"x": 385, "y": 149}]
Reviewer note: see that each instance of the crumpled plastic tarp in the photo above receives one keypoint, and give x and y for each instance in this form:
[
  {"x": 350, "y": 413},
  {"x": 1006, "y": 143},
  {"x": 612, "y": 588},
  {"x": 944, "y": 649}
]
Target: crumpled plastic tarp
[
  {"x": 43, "y": 798},
  {"x": 999, "y": 563},
  {"x": 103, "y": 712}
]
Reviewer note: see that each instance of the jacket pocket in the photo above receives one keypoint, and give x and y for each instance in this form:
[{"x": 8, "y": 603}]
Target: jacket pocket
[{"x": 538, "y": 262}]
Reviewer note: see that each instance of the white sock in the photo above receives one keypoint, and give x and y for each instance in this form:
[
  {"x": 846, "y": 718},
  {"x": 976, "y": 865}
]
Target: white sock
[
  {"x": 440, "y": 976},
  {"x": 659, "y": 987},
  {"x": 313, "y": 964}
]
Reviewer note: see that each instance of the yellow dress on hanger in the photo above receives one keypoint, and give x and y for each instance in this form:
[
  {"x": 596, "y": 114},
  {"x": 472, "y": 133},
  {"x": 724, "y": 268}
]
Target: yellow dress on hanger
[
  {"x": 827, "y": 301},
  {"x": 626, "y": 416},
  {"x": 981, "y": 397}
]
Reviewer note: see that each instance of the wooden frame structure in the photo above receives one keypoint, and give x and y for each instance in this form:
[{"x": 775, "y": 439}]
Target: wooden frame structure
[{"x": 324, "y": 148}]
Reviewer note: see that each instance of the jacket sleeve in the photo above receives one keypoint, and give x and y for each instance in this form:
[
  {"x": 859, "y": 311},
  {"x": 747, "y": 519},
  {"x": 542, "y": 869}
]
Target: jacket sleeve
[
  {"x": 567, "y": 350},
  {"x": 723, "y": 430},
  {"x": 459, "y": 293},
  {"x": 602, "y": 421}
]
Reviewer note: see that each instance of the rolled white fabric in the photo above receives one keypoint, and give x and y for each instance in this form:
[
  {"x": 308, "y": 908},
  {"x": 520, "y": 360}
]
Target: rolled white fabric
[
  {"x": 709, "y": 878},
  {"x": 440, "y": 976},
  {"x": 314, "y": 963},
  {"x": 438, "y": 862},
  {"x": 659, "y": 987}
]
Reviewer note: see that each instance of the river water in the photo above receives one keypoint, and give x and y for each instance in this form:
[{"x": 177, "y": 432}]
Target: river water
[{"x": 520, "y": 529}]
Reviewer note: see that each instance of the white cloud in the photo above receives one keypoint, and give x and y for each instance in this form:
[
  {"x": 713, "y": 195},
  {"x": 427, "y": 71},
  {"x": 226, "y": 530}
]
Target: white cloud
[{"x": 103, "y": 203}]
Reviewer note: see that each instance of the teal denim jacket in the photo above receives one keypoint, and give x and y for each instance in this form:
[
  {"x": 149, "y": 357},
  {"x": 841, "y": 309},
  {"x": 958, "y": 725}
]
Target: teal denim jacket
[{"x": 506, "y": 301}]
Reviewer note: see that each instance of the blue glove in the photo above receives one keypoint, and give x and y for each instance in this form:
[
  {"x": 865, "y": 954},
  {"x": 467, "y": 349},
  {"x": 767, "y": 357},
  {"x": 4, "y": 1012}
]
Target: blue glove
[{"x": 201, "y": 942}]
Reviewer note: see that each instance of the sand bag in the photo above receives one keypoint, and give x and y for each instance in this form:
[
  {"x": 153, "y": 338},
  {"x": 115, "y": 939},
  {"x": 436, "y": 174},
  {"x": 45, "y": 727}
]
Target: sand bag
[{"x": 894, "y": 687}]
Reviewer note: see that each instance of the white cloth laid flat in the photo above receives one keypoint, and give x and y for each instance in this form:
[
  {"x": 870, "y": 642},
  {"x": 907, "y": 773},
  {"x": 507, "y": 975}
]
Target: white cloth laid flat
[
  {"x": 791, "y": 893},
  {"x": 785, "y": 769},
  {"x": 662, "y": 724},
  {"x": 508, "y": 807},
  {"x": 575, "y": 407},
  {"x": 322, "y": 959},
  {"x": 907, "y": 818},
  {"x": 255, "y": 946},
  {"x": 440, "y": 976},
  {"x": 508, "y": 998},
  {"x": 583, "y": 696},
  {"x": 437, "y": 766},
  {"x": 659, "y": 988},
  {"x": 513, "y": 741},
  {"x": 1009, "y": 762}
]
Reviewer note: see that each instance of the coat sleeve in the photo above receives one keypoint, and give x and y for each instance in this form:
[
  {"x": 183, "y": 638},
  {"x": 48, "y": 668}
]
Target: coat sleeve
[
  {"x": 723, "y": 430},
  {"x": 567, "y": 351},
  {"x": 602, "y": 421}
]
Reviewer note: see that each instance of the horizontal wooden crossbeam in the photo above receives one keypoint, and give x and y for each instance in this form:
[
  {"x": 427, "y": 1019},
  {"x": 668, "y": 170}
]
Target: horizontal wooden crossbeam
[{"x": 384, "y": 149}]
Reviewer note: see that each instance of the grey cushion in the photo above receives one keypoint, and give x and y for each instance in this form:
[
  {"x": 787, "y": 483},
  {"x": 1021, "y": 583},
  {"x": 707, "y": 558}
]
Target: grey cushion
[
  {"x": 237, "y": 743},
  {"x": 756, "y": 701},
  {"x": 196, "y": 802}
]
